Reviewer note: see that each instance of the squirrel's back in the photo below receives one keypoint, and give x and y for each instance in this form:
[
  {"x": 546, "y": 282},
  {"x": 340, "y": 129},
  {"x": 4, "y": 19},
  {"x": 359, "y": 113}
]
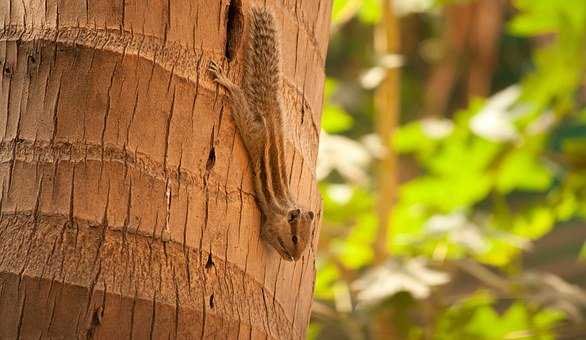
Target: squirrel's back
[{"x": 262, "y": 72}]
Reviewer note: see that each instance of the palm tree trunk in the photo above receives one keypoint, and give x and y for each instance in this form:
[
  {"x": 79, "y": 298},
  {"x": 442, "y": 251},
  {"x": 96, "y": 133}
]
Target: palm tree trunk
[{"x": 127, "y": 206}]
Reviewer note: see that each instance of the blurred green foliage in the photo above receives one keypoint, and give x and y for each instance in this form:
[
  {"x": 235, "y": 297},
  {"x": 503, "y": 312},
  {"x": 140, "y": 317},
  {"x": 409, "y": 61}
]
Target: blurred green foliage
[
  {"x": 334, "y": 118},
  {"x": 475, "y": 318},
  {"x": 475, "y": 194}
]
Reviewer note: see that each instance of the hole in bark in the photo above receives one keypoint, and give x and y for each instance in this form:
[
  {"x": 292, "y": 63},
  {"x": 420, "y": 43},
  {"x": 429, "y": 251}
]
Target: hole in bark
[
  {"x": 210, "y": 262},
  {"x": 211, "y": 159},
  {"x": 212, "y": 301},
  {"x": 7, "y": 71},
  {"x": 99, "y": 315},
  {"x": 235, "y": 24}
]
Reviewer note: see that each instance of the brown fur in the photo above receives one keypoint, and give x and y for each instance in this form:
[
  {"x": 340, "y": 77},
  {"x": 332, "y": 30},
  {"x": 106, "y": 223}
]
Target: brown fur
[{"x": 258, "y": 114}]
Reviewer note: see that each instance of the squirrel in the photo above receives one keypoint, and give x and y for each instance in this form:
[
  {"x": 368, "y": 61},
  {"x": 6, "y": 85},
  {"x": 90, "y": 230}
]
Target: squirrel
[{"x": 258, "y": 114}]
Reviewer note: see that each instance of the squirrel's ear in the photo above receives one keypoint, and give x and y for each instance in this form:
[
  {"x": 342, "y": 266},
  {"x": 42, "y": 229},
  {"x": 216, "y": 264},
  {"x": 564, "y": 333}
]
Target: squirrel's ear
[{"x": 293, "y": 215}]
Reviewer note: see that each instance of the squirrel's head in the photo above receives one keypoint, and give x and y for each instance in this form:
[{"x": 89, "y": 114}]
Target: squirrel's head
[{"x": 289, "y": 234}]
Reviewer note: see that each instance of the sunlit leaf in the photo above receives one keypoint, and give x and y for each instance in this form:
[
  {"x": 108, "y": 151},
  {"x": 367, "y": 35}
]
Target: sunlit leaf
[
  {"x": 452, "y": 323},
  {"x": 352, "y": 254},
  {"x": 370, "y": 12},
  {"x": 335, "y": 119},
  {"x": 495, "y": 121},
  {"x": 515, "y": 318},
  {"x": 522, "y": 170},
  {"x": 499, "y": 253},
  {"x": 330, "y": 86},
  {"x": 410, "y": 138},
  {"x": 407, "y": 221},
  {"x": 535, "y": 21},
  {"x": 343, "y": 210},
  {"x": 447, "y": 193},
  {"x": 394, "y": 276},
  {"x": 326, "y": 276},
  {"x": 356, "y": 250},
  {"x": 406, "y": 7},
  {"x": 344, "y": 10},
  {"x": 545, "y": 16},
  {"x": 437, "y": 128},
  {"x": 547, "y": 318},
  {"x": 458, "y": 230},
  {"x": 485, "y": 323},
  {"x": 463, "y": 156},
  {"x": 567, "y": 206},
  {"x": 534, "y": 223},
  {"x": 477, "y": 318},
  {"x": 348, "y": 157}
]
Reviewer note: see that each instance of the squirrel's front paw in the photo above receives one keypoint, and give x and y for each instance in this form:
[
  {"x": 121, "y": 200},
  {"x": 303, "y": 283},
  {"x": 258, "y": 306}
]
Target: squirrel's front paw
[
  {"x": 218, "y": 74},
  {"x": 214, "y": 69}
]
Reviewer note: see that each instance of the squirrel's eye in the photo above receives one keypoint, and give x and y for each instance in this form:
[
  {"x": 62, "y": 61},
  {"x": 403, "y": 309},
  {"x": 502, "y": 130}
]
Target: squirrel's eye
[
  {"x": 293, "y": 215},
  {"x": 294, "y": 239}
]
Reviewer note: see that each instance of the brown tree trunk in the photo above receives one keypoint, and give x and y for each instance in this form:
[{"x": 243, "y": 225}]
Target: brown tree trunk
[{"x": 127, "y": 206}]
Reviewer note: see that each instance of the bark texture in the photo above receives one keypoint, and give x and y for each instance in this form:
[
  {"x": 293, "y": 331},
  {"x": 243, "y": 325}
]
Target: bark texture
[{"x": 127, "y": 205}]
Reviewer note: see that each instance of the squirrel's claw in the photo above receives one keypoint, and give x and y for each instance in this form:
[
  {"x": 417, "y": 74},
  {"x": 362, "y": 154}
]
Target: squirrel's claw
[
  {"x": 218, "y": 75},
  {"x": 214, "y": 68}
]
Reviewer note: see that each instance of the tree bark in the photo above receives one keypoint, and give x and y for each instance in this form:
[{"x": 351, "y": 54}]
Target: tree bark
[{"x": 127, "y": 206}]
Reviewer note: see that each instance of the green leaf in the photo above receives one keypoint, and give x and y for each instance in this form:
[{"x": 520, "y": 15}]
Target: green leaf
[
  {"x": 544, "y": 16},
  {"x": 361, "y": 202},
  {"x": 342, "y": 10},
  {"x": 515, "y": 318},
  {"x": 410, "y": 138},
  {"x": 533, "y": 22},
  {"x": 330, "y": 86},
  {"x": 522, "y": 170},
  {"x": 534, "y": 223},
  {"x": 326, "y": 277},
  {"x": 518, "y": 322},
  {"x": 407, "y": 221},
  {"x": 356, "y": 250},
  {"x": 370, "y": 12},
  {"x": 462, "y": 155},
  {"x": 547, "y": 318},
  {"x": 447, "y": 193},
  {"x": 335, "y": 119},
  {"x": 567, "y": 206},
  {"x": 485, "y": 324},
  {"x": 499, "y": 254}
]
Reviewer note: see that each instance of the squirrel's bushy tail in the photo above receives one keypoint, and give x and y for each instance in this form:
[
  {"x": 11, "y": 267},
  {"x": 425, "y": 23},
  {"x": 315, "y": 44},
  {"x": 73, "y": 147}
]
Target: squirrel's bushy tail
[{"x": 262, "y": 60}]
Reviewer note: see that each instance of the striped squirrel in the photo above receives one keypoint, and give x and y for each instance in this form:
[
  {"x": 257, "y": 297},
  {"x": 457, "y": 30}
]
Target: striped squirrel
[{"x": 258, "y": 113}]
